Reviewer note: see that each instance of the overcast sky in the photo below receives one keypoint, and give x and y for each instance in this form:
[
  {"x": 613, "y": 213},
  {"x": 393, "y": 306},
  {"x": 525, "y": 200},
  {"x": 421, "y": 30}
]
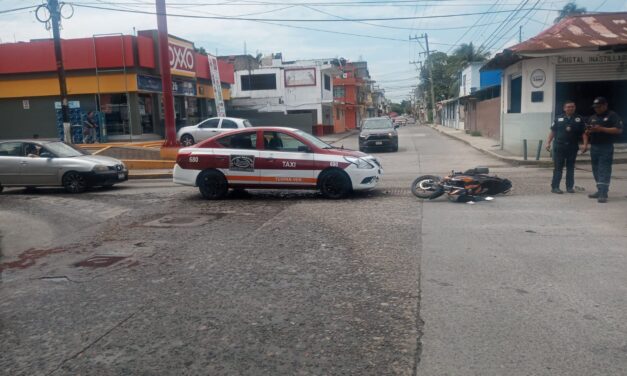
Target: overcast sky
[{"x": 388, "y": 54}]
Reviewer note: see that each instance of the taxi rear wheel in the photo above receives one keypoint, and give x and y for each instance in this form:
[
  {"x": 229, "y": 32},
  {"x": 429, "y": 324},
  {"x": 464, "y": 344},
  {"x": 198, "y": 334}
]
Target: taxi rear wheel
[
  {"x": 212, "y": 185},
  {"x": 335, "y": 184}
]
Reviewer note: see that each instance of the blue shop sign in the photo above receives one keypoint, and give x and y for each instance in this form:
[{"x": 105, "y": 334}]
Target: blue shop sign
[
  {"x": 148, "y": 83},
  {"x": 154, "y": 84}
]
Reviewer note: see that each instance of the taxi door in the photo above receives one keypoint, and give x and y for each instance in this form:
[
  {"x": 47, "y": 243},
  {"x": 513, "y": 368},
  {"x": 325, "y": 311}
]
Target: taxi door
[
  {"x": 239, "y": 159},
  {"x": 286, "y": 160}
]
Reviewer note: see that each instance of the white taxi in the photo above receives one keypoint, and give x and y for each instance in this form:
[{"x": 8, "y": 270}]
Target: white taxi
[{"x": 274, "y": 158}]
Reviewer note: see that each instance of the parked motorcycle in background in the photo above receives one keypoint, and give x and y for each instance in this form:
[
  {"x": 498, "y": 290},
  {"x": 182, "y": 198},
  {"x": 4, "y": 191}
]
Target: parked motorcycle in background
[{"x": 469, "y": 186}]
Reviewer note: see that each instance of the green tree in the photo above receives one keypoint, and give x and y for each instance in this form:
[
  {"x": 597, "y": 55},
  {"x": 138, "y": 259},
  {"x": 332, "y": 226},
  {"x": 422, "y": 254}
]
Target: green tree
[
  {"x": 468, "y": 53},
  {"x": 444, "y": 75},
  {"x": 569, "y": 9}
]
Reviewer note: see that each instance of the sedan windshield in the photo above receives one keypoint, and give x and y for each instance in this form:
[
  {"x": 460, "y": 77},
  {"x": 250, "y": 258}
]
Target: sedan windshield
[
  {"x": 313, "y": 139},
  {"x": 377, "y": 124},
  {"x": 63, "y": 150}
]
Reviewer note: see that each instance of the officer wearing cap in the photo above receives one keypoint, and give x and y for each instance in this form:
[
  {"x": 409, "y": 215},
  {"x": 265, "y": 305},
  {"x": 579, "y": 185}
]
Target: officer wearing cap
[
  {"x": 566, "y": 131},
  {"x": 603, "y": 129}
]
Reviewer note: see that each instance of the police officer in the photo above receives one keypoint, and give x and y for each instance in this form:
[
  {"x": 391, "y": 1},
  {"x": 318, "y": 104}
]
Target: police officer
[
  {"x": 566, "y": 131},
  {"x": 603, "y": 129}
]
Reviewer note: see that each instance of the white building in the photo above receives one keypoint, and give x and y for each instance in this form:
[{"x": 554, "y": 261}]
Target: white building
[
  {"x": 453, "y": 114},
  {"x": 578, "y": 59},
  {"x": 470, "y": 80},
  {"x": 294, "y": 87}
]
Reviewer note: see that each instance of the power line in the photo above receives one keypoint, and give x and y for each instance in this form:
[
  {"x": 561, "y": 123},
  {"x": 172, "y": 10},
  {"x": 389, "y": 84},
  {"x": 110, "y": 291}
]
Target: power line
[
  {"x": 515, "y": 24},
  {"x": 502, "y": 26},
  {"x": 33, "y": 7},
  {"x": 288, "y": 19}
]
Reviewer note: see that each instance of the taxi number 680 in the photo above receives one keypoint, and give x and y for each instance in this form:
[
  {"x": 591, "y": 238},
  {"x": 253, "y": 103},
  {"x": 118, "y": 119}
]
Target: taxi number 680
[{"x": 193, "y": 159}]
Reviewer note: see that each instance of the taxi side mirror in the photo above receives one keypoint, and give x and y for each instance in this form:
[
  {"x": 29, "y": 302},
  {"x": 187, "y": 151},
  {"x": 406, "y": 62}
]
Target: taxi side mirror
[{"x": 304, "y": 149}]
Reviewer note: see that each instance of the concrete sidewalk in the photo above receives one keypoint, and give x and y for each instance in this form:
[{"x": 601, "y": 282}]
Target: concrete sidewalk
[{"x": 493, "y": 148}]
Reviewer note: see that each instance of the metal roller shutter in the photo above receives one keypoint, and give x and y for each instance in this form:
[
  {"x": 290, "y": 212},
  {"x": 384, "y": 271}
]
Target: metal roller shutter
[{"x": 591, "y": 72}]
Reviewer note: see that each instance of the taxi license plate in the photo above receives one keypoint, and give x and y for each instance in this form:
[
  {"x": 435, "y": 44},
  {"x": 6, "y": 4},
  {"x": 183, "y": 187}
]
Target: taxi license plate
[
  {"x": 379, "y": 143},
  {"x": 120, "y": 175}
]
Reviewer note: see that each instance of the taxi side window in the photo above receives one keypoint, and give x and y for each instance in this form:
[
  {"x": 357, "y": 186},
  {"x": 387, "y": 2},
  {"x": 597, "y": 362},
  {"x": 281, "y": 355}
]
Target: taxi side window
[
  {"x": 11, "y": 149},
  {"x": 211, "y": 123},
  {"x": 282, "y": 142},
  {"x": 240, "y": 141}
]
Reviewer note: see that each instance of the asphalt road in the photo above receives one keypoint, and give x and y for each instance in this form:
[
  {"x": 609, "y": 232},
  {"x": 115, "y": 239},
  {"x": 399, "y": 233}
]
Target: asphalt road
[{"x": 148, "y": 278}]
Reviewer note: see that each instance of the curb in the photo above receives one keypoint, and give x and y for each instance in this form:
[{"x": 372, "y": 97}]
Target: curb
[
  {"x": 150, "y": 176},
  {"x": 512, "y": 161},
  {"x": 492, "y": 154}
]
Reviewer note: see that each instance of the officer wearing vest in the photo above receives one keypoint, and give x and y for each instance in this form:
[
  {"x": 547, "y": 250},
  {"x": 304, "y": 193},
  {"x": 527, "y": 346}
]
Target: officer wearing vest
[
  {"x": 566, "y": 131},
  {"x": 603, "y": 129}
]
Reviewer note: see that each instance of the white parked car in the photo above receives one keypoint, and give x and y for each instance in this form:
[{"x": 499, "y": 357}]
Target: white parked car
[{"x": 193, "y": 134}]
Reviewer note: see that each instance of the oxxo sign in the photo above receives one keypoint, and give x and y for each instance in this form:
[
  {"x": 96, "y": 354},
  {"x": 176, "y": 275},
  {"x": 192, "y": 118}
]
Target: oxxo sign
[{"x": 181, "y": 58}]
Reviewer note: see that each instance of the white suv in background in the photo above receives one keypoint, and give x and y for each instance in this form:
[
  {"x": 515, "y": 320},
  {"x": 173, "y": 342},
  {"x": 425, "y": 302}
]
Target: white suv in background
[{"x": 192, "y": 134}]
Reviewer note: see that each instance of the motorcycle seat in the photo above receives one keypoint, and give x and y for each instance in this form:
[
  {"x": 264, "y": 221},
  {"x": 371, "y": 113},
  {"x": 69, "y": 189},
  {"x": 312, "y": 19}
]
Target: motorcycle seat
[{"x": 477, "y": 171}]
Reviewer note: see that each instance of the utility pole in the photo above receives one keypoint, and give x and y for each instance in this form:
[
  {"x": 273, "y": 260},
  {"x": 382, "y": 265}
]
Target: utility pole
[
  {"x": 520, "y": 34},
  {"x": 166, "y": 75},
  {"x": 53, "y": 22},
  {"x": 425, "y": 36}
]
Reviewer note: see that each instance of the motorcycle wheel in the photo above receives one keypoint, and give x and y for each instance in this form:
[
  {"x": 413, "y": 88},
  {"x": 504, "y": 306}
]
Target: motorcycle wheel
[{"x": 427, "y": 187}]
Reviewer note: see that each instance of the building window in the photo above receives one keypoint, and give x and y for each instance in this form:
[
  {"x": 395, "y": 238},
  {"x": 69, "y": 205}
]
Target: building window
[
  {"x": 339, "y": 92},
  {"x": 327, "y": 82},
  {"x": 337, "y": 113},
  {"x": 515, "y": 94},
  {"x": 258, "y": 82}
]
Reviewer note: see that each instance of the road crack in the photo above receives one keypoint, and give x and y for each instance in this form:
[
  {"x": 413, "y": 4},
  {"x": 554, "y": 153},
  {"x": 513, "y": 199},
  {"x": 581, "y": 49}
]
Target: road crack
[{"x": 92, "y": 343}]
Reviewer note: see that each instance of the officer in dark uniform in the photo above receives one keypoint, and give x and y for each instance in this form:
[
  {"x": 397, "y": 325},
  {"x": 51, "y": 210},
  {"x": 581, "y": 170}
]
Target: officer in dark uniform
[
  {"x": 566, "y": 131},
  {"x": 603, "y": 129}
]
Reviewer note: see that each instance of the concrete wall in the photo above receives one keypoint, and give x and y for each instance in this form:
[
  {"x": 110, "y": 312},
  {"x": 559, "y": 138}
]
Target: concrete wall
[
  {"x": 487, "y": 116},
  {"x": 535, "y": 119},
  {"x": 531, "y": 126},
  {"x": 303, "y": 122}
]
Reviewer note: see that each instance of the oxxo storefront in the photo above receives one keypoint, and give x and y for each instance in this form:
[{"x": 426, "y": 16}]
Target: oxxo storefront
[
  {"x": 118, "y": 76},
  {"x": 535, "y": 90}
]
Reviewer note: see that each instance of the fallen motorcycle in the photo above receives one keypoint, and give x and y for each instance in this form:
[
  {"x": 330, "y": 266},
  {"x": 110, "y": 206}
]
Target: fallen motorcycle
[{"x": 469, "y": 186}]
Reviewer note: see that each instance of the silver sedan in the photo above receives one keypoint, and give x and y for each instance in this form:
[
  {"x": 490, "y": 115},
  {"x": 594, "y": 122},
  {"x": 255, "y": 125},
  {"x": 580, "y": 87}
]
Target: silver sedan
[
  {"x": 39, "y": 163},
  {"x": 193, "y": 134}
]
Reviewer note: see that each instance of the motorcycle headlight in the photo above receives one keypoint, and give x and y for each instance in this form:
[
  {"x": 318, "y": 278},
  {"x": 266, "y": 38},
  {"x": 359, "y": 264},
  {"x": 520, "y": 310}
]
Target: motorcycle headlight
[
  {"x": 359, "y": 162},
  {"x": 100, "y": 168}
]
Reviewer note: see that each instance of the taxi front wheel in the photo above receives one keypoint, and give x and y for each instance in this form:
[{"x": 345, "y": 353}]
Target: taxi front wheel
[
  {"x": 212, "y": 185},
  {"x": 335, "y": 184}
]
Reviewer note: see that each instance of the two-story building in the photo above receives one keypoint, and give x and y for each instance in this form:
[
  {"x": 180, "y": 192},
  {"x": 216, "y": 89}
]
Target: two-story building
[
  {"x": 290, "y": 87},
  {"x": 352, "y": 95}
]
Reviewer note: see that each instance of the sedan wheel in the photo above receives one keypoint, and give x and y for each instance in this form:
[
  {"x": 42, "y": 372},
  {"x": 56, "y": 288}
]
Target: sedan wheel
[
  {"x": 187, "y": 140},
  {"x": 73, "y": 182},
  {"x": 335, "y": 184},
  {"x": 212, "y": 185}
]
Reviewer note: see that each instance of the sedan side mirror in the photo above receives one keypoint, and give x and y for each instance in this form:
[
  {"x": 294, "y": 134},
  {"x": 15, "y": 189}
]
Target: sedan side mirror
[
  {"x": 304, "y": 149},
  {"x": 396, "y": 126},
  {"x": 46, "y": 154}
]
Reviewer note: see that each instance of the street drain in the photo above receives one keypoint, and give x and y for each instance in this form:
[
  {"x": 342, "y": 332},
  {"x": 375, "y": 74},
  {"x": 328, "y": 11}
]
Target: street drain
[
  {"x": 168, "y": 221},
  {"x": 99, "y": 261}
]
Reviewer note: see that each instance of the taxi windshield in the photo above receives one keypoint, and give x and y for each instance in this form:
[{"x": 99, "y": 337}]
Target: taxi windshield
[{"x": 313, "y": 139}]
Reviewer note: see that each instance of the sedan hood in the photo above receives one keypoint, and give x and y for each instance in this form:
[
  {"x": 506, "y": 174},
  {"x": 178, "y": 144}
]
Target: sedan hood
[{"x": 346, "y": 153}]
